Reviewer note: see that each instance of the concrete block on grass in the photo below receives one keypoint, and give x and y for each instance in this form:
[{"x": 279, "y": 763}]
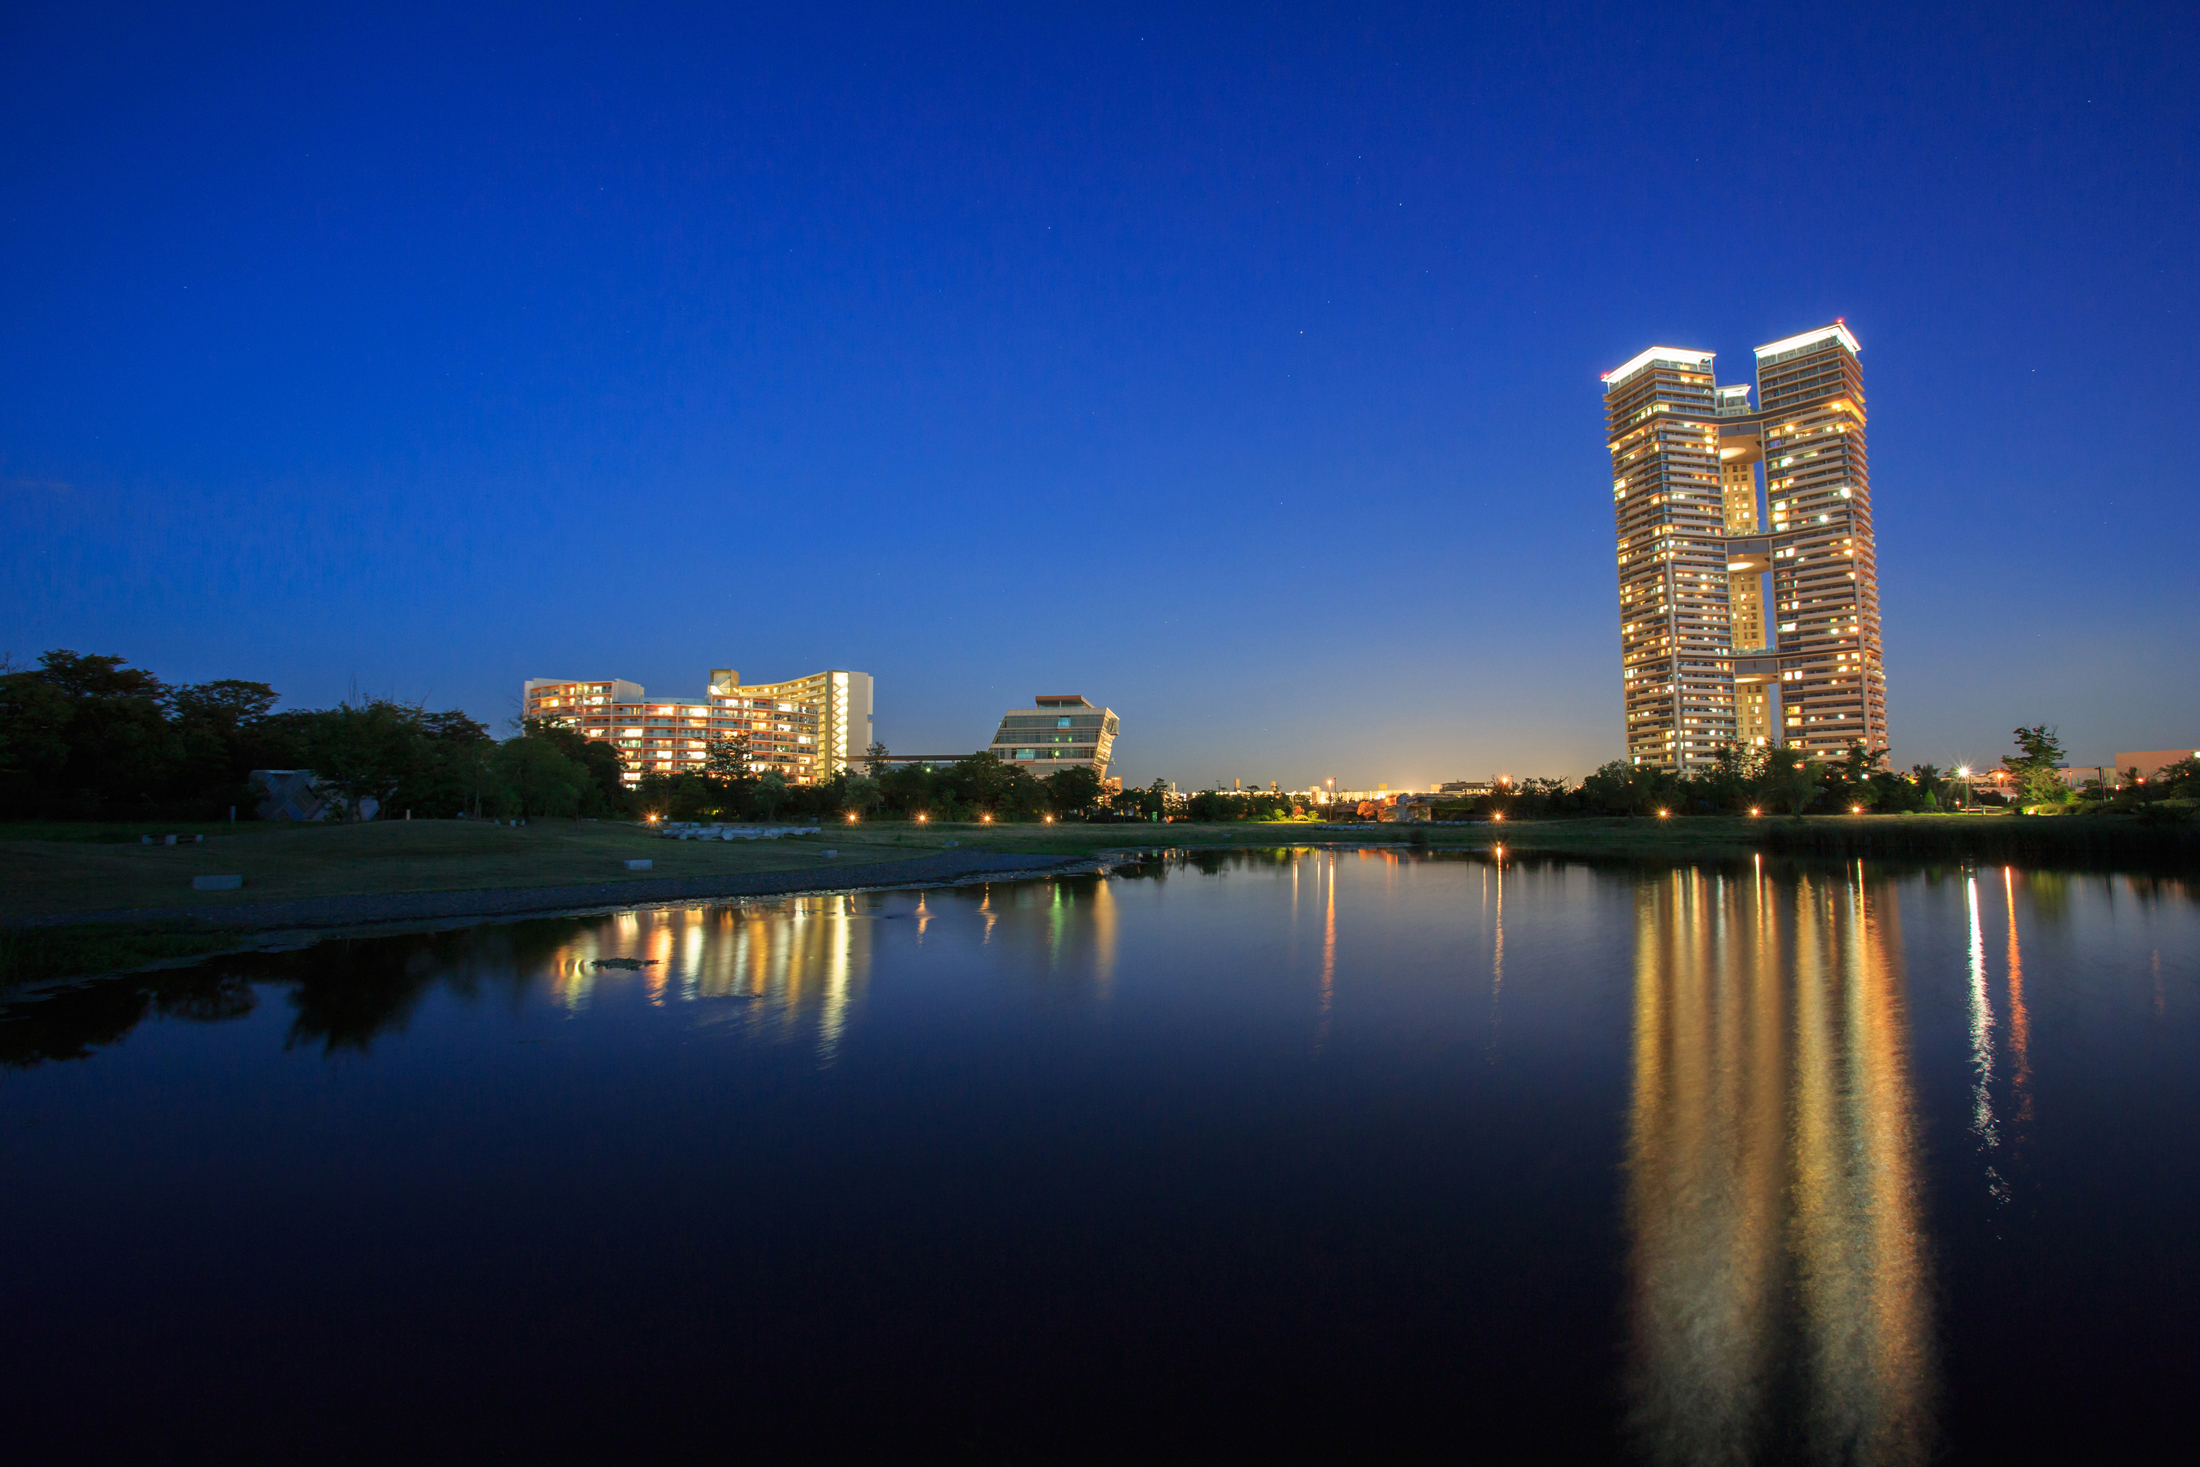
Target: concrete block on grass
[
  {"x": 216, "y": 883},
  {"x": 642, "y": 865}
]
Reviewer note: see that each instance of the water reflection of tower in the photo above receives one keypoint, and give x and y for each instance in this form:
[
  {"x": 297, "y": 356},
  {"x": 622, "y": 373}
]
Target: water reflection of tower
[{"x": 1777, "y": 1268}]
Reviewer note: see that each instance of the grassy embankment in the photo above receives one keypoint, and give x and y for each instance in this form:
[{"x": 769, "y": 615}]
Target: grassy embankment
[
  {"x": 50, "y": 869},
  {"x": 283, "y": 862}
]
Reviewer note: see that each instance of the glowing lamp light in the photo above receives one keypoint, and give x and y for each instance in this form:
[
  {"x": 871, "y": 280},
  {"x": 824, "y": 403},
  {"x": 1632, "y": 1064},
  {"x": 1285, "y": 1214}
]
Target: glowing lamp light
[
  {"x": 987, "y": 819},
  {"x": 1661, "y": 814},
  {"x": 1050, "y": 820},
  {"x": 1856, "y": 809},
  {"x": 1753, "y": 809},
  {"x": 851, "y": 819},
  {"x": 1498, "y": 816},
  {"x": 922, "y": 818}
]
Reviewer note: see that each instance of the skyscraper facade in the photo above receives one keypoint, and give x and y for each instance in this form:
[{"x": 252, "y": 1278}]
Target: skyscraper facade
[
  {"x": 1712, "y": 498},
  {"x": 1676, "y": 632}
]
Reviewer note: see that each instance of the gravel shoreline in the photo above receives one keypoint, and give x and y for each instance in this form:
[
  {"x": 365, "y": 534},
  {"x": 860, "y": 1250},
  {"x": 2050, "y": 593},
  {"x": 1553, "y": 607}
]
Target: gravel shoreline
[{"x": 425, "y": 906}]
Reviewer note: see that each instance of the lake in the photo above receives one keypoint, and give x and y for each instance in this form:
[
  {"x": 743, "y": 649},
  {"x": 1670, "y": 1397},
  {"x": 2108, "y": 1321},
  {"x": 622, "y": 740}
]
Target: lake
[{"x": 1295, "y": 1154}]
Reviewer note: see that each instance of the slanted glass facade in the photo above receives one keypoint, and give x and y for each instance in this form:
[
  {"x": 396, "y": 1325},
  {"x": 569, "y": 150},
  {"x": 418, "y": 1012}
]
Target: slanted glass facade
[{"x": 1058, "y": 730}]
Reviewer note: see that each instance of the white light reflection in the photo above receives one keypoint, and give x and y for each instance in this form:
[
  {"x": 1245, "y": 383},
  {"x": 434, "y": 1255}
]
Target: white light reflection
[{"x": 1982, "y": 1041}]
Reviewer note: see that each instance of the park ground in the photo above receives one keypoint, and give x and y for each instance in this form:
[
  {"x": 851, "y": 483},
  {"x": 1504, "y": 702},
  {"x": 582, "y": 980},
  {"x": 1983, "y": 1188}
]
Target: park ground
[{"x": 59, "y": 870}]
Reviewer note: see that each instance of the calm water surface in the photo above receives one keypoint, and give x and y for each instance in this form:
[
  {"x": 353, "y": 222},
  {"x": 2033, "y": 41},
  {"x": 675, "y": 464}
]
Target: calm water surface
[{"x": 1277, "y": 1155}]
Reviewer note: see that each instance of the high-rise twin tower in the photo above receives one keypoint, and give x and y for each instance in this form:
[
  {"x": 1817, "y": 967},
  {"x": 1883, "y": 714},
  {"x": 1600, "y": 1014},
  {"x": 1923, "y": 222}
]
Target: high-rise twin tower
[{"x": 1711, "y": 656}]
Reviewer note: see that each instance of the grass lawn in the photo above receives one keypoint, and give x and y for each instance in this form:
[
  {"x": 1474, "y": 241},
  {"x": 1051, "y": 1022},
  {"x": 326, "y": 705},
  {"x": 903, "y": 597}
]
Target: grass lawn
[
  {"x": 119, "y": 832},
  {"x": 282, "y": 861}
]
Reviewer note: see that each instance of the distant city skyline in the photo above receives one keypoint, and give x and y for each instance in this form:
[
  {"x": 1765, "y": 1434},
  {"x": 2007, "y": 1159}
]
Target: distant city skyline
[{"x": 1244, "y": 374}]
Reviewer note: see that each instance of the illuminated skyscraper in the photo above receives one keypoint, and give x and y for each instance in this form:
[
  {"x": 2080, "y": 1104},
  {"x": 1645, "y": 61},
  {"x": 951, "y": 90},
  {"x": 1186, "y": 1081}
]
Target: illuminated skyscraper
[
  {"x": 1709, "y": 658},
  {"x": 1676, "y": 639}
]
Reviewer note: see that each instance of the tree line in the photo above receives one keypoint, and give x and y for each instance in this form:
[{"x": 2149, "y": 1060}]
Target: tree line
[
  {"x": 91, "y": 737},
  {"x": 979, "y": 786},
  {"x": 1790, "y": 782},
  {"x": 87, "y": 736}
]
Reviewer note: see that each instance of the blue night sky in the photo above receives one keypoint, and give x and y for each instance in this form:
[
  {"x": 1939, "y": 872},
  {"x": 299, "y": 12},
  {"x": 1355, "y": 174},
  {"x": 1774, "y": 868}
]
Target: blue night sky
[{"x": 1239, "y": 371}]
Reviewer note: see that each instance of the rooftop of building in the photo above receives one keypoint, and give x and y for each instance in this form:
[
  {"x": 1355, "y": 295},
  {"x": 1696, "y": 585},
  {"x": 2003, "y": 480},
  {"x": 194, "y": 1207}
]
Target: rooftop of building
[
  {"x": 1838, "y": 331},
  {"x": 1695, "y": 361}
]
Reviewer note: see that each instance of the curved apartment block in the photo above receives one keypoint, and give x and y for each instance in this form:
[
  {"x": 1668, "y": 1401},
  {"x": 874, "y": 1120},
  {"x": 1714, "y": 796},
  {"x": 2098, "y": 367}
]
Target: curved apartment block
[{"x": 805, "y": 730}]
